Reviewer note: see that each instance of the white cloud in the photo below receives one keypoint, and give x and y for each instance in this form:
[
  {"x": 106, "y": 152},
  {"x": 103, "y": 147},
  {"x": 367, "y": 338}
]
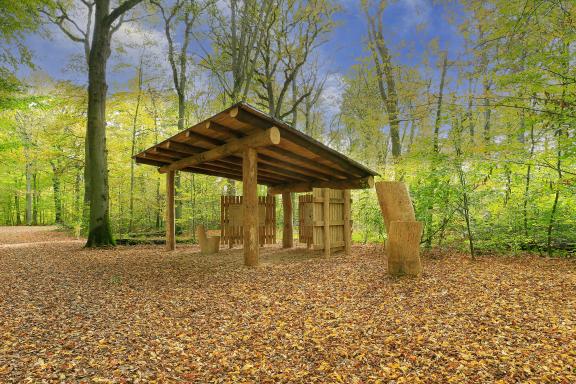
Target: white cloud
[
  {"x": 414, "y": 12},
  {"x": 331, "y": 98}
]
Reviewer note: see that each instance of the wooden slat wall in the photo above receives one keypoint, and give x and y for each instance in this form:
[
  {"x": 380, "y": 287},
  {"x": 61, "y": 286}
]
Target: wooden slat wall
[
  {"x": 311, "y": 229},
  {"x": 233, "y": 234},
  {"x": 305, "y": 218}
]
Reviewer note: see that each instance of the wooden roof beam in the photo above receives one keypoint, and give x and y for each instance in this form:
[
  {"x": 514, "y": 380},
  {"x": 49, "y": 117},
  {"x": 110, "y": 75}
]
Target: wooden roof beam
[
  {"x": 236, "y": 163},
  {"x": 360, "y": 183},
  {"x": 282, "y": 176},
  {"x": 326, "y": 172},
  {"x": 213, "y": 126},
  {"x": 265, "y": 138},
  {"x": 299, "y": 139},
  {"x": 195, "y": 136}
]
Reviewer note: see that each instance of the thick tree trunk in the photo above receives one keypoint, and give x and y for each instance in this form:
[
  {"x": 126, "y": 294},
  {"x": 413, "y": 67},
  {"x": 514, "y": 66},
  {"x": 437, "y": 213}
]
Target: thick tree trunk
[
  {"x": 100, "y": 233},
  {"x": 85, "y": 218}
]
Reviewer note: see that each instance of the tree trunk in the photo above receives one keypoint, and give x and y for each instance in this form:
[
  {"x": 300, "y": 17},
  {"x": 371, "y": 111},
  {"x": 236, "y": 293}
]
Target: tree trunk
[
  {"x": 99, "y": 233},
  {"x": 556, "y": 194},
  {"x": 57, "y": 194},
  {"x": 77, "y": 212},
  {"x": 28, "y": 194},
  {"x": 435, "y": 151},
  {"x": 178, "y": 181},
  {"x": 36, "y": 198},
  {"x": 17, "y": 206},
  {"x": 133, "y": 147},
  {"x": 463, "y": 186}
]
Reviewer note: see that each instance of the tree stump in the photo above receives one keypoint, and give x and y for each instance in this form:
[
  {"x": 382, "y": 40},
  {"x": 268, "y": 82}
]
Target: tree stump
[
  {"x": 403, "y": 248},
  {"x": 395, "y": 202},
  {"x": 208, "y": 244},
  {"x": 404, "y": 232}
]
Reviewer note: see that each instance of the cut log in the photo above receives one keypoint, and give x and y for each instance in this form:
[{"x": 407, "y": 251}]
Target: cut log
[
  {"x": 250, "y": 206},
  {"x": 208, "y": 244},
  {"x": 395, "y": 202},
  {"x": 288, "y": 232},
  {"x": 300, "y": 139},
  {"x": 360, "y": 183},
  {"x": 261, "y": 139},
  {"x": 403, "y": 248},
  {"x": 195, "y": 136},
  {"x": 170, "y": 212}
]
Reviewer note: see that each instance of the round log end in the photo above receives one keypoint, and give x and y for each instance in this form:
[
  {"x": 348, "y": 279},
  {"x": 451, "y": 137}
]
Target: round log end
[
  {"x": 274, "y": 135},
  {"x": 234, "y": 112},
  {"x": 370, "y": 181}
]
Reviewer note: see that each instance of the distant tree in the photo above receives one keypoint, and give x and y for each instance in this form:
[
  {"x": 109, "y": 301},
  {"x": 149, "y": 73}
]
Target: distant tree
[
  {"x": 385, "y": 70},
  {"x": 183, "y": 13},
  {"x": 18, "y": 18}
]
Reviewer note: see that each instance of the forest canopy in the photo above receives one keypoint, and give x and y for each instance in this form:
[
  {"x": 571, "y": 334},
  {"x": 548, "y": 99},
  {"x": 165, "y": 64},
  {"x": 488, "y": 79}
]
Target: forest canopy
[{"x": 472, "y": 103}]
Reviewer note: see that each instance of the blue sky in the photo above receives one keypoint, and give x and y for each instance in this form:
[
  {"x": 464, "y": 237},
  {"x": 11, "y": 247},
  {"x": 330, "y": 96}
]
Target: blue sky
[{"x": 410, "y": 25}]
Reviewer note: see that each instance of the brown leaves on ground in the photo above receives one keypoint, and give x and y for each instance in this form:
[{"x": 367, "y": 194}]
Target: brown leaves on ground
[{"x": 144, "y": 314}]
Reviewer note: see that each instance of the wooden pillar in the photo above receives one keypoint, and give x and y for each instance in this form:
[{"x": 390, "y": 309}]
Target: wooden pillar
[
  {"x": 326, "y": 210},
  {"x": 170, "y": 212},
  {"x": 288, "y": 233},
  {"x": 347, "y": 226},
  {"x": 250, "y": 206}
]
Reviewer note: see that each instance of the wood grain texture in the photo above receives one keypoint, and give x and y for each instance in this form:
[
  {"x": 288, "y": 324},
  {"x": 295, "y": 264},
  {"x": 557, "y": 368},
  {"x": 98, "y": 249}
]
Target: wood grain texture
[
  {"x": 347, "y": 222},
  {"x": 326, "y": 218},
  {"x": 403, "y": 248},
  {"x": 287, "y": 232},
  {"x": 261, "y": 139},
  {"x": 395, "y": 202},
  {"x": 250, "y": 203},
  {"x": 170, "y": 212}
]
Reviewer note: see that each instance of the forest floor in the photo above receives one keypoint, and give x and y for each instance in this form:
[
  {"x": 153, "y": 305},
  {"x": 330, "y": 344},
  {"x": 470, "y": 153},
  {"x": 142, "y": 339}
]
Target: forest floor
[{"x": 141, "y": 314}]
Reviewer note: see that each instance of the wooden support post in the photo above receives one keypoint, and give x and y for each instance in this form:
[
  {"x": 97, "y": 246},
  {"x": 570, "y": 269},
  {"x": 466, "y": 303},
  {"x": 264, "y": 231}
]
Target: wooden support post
[
  {"x": 326, "y": 210},
  {"x": 347, "y": 226},
  {"x": 288, "y": 233},
  {"x": 250, "y": 206},
  {"x": 170, "y": 212}
]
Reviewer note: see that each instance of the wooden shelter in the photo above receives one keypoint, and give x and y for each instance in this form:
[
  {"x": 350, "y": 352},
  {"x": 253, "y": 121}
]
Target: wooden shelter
[{"x": 243, "y": 143}]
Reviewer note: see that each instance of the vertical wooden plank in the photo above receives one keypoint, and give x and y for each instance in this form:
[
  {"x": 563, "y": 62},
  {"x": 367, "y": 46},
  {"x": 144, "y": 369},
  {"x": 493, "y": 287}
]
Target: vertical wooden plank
[
  {"x": 287, "y": 233},
  {"x": 326, "y": 209},
  {"x": 222, "y": 233},
  {"x": 250, "y": 206},
  {"x": 170, "y": 212},
  {"x": 347, "y": 226}
]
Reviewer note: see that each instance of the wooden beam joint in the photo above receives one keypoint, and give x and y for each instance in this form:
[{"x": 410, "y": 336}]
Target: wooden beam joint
[{"x": 265, "y": 138}]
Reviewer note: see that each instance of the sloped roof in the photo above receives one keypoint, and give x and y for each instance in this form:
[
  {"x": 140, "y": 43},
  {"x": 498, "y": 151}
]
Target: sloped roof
[{"x": 298, "y": 158}]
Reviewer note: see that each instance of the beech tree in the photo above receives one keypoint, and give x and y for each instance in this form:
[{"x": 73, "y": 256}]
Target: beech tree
[{"x": 106, "y": 22}]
